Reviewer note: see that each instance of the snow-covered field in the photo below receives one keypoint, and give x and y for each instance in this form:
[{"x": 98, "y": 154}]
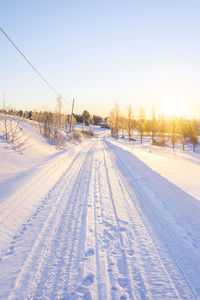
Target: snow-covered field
[
  {"x": 102, "y": 219},
  {"x": 180, "y": 167}
]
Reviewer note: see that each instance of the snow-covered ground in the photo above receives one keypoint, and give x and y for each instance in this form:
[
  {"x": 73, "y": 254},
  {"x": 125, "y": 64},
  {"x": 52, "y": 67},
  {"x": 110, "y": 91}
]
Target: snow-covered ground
[
  {"x": 100, "y": 220},
  {"x": 17, "y": 168},
  {"x": 180, "y": 167}
]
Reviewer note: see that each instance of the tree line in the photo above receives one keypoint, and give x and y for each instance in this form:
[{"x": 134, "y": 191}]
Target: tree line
[
  {"x": 35, "y": 115},
  {"x": 161, "y": 129},
  {"x": 52, "y": 125}
]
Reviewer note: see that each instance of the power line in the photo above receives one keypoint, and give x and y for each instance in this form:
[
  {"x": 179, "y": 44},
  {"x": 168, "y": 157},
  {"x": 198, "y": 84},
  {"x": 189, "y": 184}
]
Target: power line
[
  {"x": 68, "y": 102},
  {"x": 32, "y": 66}
]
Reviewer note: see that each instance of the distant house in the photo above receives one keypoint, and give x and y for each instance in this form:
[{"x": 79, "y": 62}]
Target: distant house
[
  {"x": 104, "y": 125},
  {"x": 159, "y": 142}
]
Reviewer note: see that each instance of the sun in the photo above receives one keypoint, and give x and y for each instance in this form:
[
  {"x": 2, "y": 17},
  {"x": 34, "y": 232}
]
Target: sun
[{"x": 172, "y": 109}]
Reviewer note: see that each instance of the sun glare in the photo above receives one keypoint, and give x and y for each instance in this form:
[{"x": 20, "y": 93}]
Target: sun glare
[{"x": 172, "y": 109}]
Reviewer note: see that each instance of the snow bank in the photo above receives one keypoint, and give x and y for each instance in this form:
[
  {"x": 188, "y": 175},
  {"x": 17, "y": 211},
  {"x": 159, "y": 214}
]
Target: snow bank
[{"x": 182, "y": 168}]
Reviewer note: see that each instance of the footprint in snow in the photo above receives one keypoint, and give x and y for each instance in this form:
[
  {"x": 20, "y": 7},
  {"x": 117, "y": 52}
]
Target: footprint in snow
[
  {"x": 88, "y": 280},
  {"x": 107, "y": 224},
  {"x": 123, "y": 222},
  {"x": 130, "y": 252},
  {"x": 123, "y": 297},
  {"x": 73, "y": 296},
  {"x": 121, "y": 267},
  {"x": 9, "y": 253},
  {"x": 123, "y": 282},
  {"x": 87, "y": 296},
  {"x": 89, "y": 252},
  {"x": 82, "y": 290},
  {"x": 108, "y": 235}
]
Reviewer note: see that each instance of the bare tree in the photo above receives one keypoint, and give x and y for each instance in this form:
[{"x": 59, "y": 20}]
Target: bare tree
[
  {"x": 114, "y": 121},
  {"x": 122, "y": 124},
  {"x": 153, "y": 124},
  {"x": 141, "y": 123},
  {"x": 13, "y": 133},
  {"x": 183, "y": 131},
  {"x": 193, "y": 133},
  {"x": 130, "y": 121},
  {"x": 162, "y": 126},
  {"x": 117, "y": 117},
  {"x": 51, "y": 127},
  {"x": 172, "y": 127}
]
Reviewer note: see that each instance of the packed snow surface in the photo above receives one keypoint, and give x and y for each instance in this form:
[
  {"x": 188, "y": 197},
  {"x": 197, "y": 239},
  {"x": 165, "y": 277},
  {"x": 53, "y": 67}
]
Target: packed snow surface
[{"x": 101, "y": 220}]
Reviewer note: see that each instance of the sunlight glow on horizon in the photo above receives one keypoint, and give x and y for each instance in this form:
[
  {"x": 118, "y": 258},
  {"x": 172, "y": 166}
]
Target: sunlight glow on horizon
[{"x": 173, "y": 108}]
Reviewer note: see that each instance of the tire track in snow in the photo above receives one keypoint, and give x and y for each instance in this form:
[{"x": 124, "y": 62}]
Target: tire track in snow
[
  {"x": 41, "y": 230},
  {"x": 138, "y": 279},
  {"x": 109, "y": 283},
  {"x": 11, "y": 205},
  {"x": 97, "y": 220},
  {"x": 167, "y": 237},
  {"x": 91, "y": 280},
  {"x": 20, "y": 205},
  {"x": 115, "y": 259},
  {"x": 48, "y": 233},
  {"x": 143, "y": 246},
  {"x": 77, "y": 227},
  {"x": 125, "y": 281},
  {"x": 92, "y": 240},
  {"x": 102, "y": 262},
  {"x": 170, "y": 263}
]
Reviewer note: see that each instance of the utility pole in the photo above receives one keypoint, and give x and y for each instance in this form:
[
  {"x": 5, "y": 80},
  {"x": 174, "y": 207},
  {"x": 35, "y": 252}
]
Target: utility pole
[{"x": 72, "y": 115}]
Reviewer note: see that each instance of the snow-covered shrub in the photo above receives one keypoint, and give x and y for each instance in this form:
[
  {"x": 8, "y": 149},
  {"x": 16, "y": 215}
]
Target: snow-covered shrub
[
  {"x": 90, "y": 132},
  {"x": 13, "y": 133},
  {"x": 77, "y": 134},
  {"x": 50, "y": 126}
]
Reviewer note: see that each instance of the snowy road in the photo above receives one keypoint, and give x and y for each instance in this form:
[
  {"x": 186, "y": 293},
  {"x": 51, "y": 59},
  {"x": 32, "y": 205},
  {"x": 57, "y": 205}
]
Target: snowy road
[{"x": 108, "y": 228}]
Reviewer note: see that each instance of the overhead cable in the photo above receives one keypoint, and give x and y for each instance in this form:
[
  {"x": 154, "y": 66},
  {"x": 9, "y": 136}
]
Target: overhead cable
[{"x": 32, "y": 66}]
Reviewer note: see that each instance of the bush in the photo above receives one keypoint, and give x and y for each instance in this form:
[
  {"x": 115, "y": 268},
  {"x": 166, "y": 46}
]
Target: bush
[
  {"x": 159, "y": 142},
  {"x": 89, "y": 132},
  {"x": 77, "y": 134}
]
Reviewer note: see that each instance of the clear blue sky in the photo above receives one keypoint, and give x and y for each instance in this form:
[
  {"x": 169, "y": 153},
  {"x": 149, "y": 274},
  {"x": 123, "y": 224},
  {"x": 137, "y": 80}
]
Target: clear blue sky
[{"x": 142, "y": 52}]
